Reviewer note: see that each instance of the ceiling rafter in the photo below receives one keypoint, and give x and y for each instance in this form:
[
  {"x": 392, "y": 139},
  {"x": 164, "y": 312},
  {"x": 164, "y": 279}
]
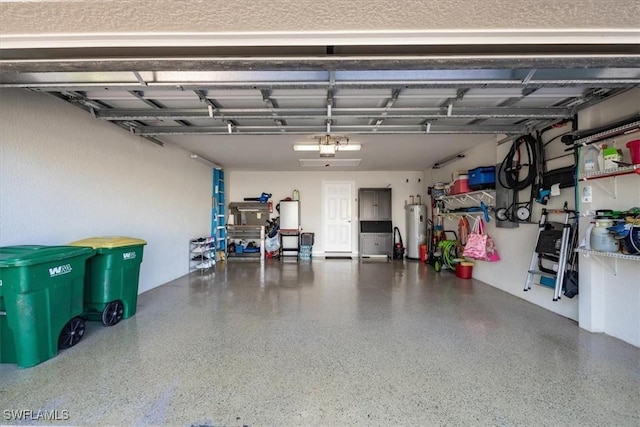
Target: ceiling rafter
[
  {"x": 80, "y": 100},
  {"x": 446, "y": 107},
  {"x": 139, "y": 77},
  {"x": 308, "y": 129},
  {"x": 324, "y": 100},
  {"x": 272, "y": 105},
  {"x": 410, "y": 84},
  {"x": 363, "y": 113},
  {"x": 531, "y": 60},
  {"x": 330, "y": 101},
  {"x": 138, "y": 94},
  {"x": 184, "y": 100},
  {"x": 513, "y": 100},
  {"x": 213, "y": 109},
  {"x": 388, "y": 104}
]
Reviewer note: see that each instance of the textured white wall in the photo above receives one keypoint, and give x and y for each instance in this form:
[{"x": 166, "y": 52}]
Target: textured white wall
[
  {"x": 281, "y": 184},
  {"x": 65, "y": 176},
  {"x": 73, "y": 16},
  {"x": 613, "y": 287}
]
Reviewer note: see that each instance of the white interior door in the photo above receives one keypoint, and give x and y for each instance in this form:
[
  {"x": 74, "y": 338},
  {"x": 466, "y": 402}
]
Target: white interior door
[{"x": 337, "y": 200}]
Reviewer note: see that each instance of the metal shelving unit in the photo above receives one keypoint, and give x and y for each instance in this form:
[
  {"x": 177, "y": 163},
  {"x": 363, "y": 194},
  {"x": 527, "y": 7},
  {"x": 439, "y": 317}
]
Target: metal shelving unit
[
  {"x": 615, "y": 255},
  {"x": 480, "y": 196},
  {"x": 613, "y": 174},
  {"x": 624, "y": 129},
  {"x": 476, "y": 196},
  {"x": 607, "y": 173},
  {"x": 202, "y": 253},
  {"x": 237, "y": 233}
]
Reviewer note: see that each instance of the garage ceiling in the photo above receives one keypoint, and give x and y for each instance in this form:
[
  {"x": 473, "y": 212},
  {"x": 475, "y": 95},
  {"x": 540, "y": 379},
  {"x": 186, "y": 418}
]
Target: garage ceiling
[{"x": 408, "y": 106}]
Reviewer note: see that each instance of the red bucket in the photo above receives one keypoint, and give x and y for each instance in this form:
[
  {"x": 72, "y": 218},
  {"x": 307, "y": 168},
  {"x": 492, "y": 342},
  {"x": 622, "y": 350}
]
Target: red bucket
[
  {"x": 464, "y": 270},
  {"x": 634, "y": 149}
]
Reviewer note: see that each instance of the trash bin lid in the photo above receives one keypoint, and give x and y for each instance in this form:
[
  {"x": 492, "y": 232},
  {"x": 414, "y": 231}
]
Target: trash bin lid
[
  {"x": 26, "y": 255},
  {"x": 108, "y": 242}
]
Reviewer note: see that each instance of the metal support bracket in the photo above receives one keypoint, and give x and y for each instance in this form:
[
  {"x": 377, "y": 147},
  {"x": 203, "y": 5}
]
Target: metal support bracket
[
  {"x": 599, "y": 257},
  {"x": 613, "y": 270},
  {"x": 614, "y": 192}
]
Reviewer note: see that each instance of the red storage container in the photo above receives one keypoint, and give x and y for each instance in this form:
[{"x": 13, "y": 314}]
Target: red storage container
[
  {"x": 460, "y": 185},
  {"x": 634, "y": 149},
  {"x": 464, "y": 270}
]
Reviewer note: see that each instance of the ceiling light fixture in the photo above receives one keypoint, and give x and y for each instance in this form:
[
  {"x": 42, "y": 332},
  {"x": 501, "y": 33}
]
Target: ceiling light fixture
[
  {"x": 205, "y": 161},
  {"x": 327, "y": 150},
  {"x": 325, "y": 163},
  {"x": 328, "y": 145}
]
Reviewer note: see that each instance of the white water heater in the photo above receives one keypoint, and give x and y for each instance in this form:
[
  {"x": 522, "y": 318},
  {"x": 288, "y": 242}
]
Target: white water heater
[{"x": 416, "y": 230}]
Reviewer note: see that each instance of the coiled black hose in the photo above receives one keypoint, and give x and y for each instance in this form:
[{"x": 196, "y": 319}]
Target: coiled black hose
[{"x": 513, "y": 164}]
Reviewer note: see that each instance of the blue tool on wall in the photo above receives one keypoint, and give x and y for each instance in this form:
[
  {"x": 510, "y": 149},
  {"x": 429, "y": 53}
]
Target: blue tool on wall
[
  {"x": 264, "y": 197},
  {"x": 485, "y": 212},
  {"x": 543, "y": 196}
]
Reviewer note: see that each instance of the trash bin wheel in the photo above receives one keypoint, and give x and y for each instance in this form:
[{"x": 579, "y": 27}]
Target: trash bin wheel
[
  {"x": 72, "y": 333},
  {"x": 112, "y": 313}
]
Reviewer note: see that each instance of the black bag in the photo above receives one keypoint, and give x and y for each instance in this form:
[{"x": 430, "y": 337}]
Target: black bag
[{"x": 570, "y": 284}]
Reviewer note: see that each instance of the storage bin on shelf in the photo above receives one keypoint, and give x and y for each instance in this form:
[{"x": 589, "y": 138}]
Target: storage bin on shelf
[
  {"x": 306, "y": 239},
  {"x": 41, "y": 301},
  {"x": 460, "y": 185},
  {"x": 482, "y": 177},
  {"x": 111, "y": 279},
  {"x": 251, "y": 249},
  {"x": 634, "y": 150}
]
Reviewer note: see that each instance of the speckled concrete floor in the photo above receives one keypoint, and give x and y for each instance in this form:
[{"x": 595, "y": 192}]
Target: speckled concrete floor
[{"x": 334, "y": 343}]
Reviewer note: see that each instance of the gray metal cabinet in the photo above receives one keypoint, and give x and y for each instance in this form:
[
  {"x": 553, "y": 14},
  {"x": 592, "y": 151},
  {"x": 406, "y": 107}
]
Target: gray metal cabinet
[
  {"x": 375, "y": 228},
  {"x": 374, "y": 204},
  {"x": 376, "y": 244},
  {"x": 368, "y": 243},
  {"x": 385, "y": 244}
]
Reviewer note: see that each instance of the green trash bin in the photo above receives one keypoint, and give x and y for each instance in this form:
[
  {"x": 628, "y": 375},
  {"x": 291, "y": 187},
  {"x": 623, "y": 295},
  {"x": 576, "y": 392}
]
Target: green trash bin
[
  {"x": 111, "y": 281},
  {"x": 41, "y": 294}
]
